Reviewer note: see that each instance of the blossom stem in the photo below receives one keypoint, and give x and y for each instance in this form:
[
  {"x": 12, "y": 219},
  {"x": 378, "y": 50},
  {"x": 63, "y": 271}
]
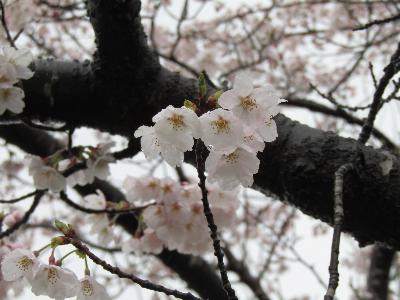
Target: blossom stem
[
  {"x": 211, "y": 223},
  {"x": 37, "y": 252},
  {"x": 59, "y": 262},
  {"x": 87, "y": 270}
]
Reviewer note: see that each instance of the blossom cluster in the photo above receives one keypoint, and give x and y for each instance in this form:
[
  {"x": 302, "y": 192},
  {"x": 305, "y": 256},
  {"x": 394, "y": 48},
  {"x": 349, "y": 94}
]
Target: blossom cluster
[
  {"x": 13, "y": 67},
  {"x": 176, "y": 220},
  {"x": 47, "y": 172},
  {"x": 49, "y": 279},
  {"x": 234, "y": 133}
]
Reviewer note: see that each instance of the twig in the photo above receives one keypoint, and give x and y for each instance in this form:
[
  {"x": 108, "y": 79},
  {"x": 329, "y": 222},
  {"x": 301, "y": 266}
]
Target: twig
[
  {"x": 121, "y": 274},
  {"x": 5, "y": 26},
  {"x": 71, "y": 203},
  {"x": 378, "y": 22},
  {"x": 25, "y": 218},
  {"x": 15, "y": 200},
  {"x": 338, "y": 221},
  {"x": 244, "y": 274},
  {"x": 390, "y": 70},
  {"x": 210, "y": 221}
]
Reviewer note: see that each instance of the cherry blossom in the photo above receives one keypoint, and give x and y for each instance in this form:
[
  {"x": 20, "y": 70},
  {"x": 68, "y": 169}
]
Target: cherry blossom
[
  {"x": 54, "y": 281},
  {"x": 101, "y": 227},
  {"x": 252, "y": 140},
  {"x": 152, "y": 146},
  {"x": 230, "y": 170},
  {"x": 177, "y": 219},
  {"x": 18, "y": 263},
  {"x": 171, "y": 135},
  {"x": 46, "y": 177},
  {"x": 221, "y": 130},
  {"x": 13, "y": 217},
  {"x": 248, "y": 104},
  {"x": 177, "y": 126},
  {"x": 147, "y": 243},
  {"x": 95, "y": 201},
  {"x": 98, "y": 163},
  {"x": 11, "y": 99},
  {"x": 90, "y": 289},
  {"x": 141, "y": 189},
  {"x": 223, "y": 204},
  {"x": 7, "y": 75},
  {"x": 18, "y": 60}
]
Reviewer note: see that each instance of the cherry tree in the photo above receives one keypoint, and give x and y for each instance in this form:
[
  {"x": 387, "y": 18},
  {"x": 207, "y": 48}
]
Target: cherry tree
[{"x": 203, "y": 89}]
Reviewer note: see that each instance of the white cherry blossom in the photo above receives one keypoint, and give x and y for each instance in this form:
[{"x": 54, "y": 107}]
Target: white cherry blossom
[
  {"x": 224, "y": 204},
  {"x": 102, "y": 228},
  {"x": 7, "y": 75},
  {"x": 221, "y": 130},
  {"x": 90, "y": 289},
  {"x": 141, "y": 190},
  {"x": 46, "y": 177},
  {"x": 230, "y": 170},
  {"x": 177, "y": 126},
  {"x": 98, "y": 164},
  {"x": 152, "y": 146},
  {"x": 18, "y": 263},
  {"x": 55, "y": 282},
  {"x": 18, "y": 60},
  {"x": 95, "y": 201},
  {"x": 247, "y": 103},
  {"x": 11, "y": 99},
  {"x": 147, "y": 243},
  {"x": 252, "y": 140}
]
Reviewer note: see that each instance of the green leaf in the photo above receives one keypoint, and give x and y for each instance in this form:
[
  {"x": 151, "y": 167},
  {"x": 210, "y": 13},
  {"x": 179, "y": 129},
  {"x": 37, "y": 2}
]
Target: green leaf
[{"x": 202, "y": 85}]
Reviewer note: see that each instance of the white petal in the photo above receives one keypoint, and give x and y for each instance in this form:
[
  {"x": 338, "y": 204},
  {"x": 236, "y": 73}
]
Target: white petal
[
  {"x": 229, "y": 99},
  {"x": 243, "y": 84},
  {"x": 268, "y": 131},
  {"x": 143, "y": 130},
  {"x": 172, "y": 156}
]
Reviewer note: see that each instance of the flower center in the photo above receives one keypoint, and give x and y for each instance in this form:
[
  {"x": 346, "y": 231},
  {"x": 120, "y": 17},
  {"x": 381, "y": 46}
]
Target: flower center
[
  {"x": 248, "y": 103},
  {"x": 167, "y": 188},
  {"x": 221, "y": 125},
  {"x": 5, "y": 92},
  {"x": 3, "y": 78},
  {"x": 231, "y": 158},
  {"x": 87, "y": 288},
  {"x": 152, "y": 184},
  {"x": 197, "y": 209},
  {"x": 176, "y": 121},
  {"x": 24, "y": 263},
  {"x": 52, "y": 275}
]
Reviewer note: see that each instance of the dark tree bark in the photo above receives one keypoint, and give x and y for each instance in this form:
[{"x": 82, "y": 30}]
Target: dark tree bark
[{"x": 378, "y": 273}]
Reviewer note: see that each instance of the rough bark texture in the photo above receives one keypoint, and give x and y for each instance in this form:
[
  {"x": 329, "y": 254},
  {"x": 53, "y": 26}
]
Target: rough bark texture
[{"x": 378, "y": 274}]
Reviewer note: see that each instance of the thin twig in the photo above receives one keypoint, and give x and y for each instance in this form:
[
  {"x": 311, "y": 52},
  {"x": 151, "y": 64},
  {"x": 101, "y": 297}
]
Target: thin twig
[
  {"x": 71, "y": 203},
  {"x": 210, "y": 221},
  {"x": 121, "y": 274},
  {"x": 25, "y": 218},
  {"x": 390, "y": 70},
  {"x": 15, "y": 200},
  {"x": 338, "y": 221},
  {"x": 5, "y": 26},
  {"x": 240, "y": 268},
  {"x": 378, "y": 22}
]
